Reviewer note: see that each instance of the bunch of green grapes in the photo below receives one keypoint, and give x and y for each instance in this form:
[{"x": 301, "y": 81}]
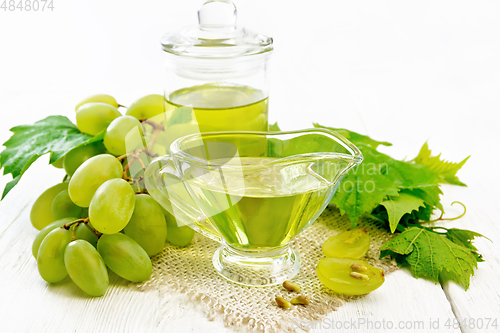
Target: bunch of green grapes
[
  {"x": 102, "y": 217},
  {"x": 342, "y": 271}
]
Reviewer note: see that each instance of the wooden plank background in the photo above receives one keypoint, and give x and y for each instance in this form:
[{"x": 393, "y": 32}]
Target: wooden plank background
[{"x": 405, "y": 73}]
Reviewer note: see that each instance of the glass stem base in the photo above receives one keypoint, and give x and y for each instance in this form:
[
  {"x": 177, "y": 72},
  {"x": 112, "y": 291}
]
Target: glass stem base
[{"x": 256, "y": 268}]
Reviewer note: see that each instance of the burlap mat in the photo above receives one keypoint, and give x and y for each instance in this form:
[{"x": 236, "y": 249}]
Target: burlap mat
[{"x": 189, "y": 270}]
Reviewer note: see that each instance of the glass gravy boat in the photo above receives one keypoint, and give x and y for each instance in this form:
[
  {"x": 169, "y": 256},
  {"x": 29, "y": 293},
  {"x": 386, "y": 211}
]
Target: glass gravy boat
[{"x": 252, "y": 192}]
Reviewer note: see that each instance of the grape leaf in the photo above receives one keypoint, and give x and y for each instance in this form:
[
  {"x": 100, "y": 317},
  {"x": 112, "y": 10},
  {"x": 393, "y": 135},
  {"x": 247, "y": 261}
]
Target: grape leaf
[
  {"x": 365, "y": 186},
  {"x": 380, "y": 216},
  {"x": 399, "y": 205},
  {"x": 465, "y": 238},
  {"x": 377, "y": 177},
  {"x": 430, "y": 198},
  {"x": 55, "y": 134},
  {"x": 355, "y": 137},
  {"x": 274, "y": 127},
  {"x": 430, "y": 194},
  {"x": 410, "y": 175},
  {"x": 444, "y": 169},
  {"x": 423, "y": 213},
  {"x": 432, "y": 255}
]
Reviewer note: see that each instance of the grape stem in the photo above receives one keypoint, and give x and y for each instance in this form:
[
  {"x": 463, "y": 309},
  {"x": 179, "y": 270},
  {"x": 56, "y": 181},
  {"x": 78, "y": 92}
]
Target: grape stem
[
  {"x": 137, "y": 183},
  {"x": 141, "y": 163},
  {"x": 157, "y": 128},
  {"x": 154, "y": 137},
  {"x": 97, "y": 233},
  {"x": 69, "y": 224},
  {"x": 73, "y": 232},
  {"x": 127, "y": 167},
  {"x": 75, "y": 224},
  {"x": 142, "y": 150},
  {"x": 135, "y": 155},
  {"x": 153, "y": 124},
  {"x": 121, "y": 158}
]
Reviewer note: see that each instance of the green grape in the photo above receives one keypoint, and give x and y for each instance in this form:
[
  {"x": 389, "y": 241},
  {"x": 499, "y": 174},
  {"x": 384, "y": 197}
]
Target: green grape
[
  {"x": 92, "y": 174},
  {"x": 50, "y": 257},
  {"x": 147, "y": 107},
  {"x": 349, "y": 276},
  {"x": 75, "y": 157},
  {"x": 92, "y": 118},
  {"x": 147, "y": 225},
  {"x": 112, "y": 206},
  {"x": 350, "y": 244},
  {"x": 125, "y": 257},
  {"x": 45, "y": 231},
  {"x": 58, "y": 164},
  {"x": 41, "y": 211},
  {"x": 114, "y": 139},
  {"x": 84, "y": 233},
  {"x": 99, "y": 98},
  {"x": 178, "y": 236},
  {"x": 86, "y": 267},
  {"x": 62, "y": 206}
]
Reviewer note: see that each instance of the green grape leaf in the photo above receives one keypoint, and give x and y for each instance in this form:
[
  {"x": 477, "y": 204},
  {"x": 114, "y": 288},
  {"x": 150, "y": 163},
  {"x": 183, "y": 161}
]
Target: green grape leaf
[
  {"x": 423, "y": 213},
  {"x": 379, "y": 176},
  {"x": 274, "y": 127},
  {"x": 431, "y": 255},
  {"x": 55, "y": 134},
  {"x": 430, "y": 198},
  {"x": 465, "y": 237},
  {"x": 381, "y": 217},
  {"x": 410, "y": 175},
  {"x": 444, "y": 169},
  {"x": 366, "y": 186},
  {"x": 355, "y": 137},
  {"x": 399, "y": 205},
  {"x": 430, "y": 194}
]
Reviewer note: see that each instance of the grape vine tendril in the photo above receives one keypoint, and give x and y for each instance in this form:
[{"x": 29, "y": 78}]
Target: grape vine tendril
[{"x": 441, "y": 218}]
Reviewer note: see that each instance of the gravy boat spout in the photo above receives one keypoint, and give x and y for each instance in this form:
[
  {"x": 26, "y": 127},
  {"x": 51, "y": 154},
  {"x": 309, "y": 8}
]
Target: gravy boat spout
[{"x": 252, "y": 192}]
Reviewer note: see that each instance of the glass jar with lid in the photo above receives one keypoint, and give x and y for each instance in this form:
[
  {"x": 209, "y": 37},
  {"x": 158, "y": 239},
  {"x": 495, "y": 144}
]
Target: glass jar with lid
[{"x": 219, "y": 70}]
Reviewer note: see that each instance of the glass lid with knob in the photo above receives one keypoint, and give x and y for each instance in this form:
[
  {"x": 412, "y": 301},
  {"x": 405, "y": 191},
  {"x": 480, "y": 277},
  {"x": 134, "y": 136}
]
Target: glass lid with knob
[
  {"x": 217, "y": 35},
  {"x": 220, "y": 70}
]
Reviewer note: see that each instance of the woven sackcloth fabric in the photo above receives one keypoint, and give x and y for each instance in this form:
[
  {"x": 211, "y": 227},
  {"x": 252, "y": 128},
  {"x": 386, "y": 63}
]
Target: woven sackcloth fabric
[{"x": 189, "y": 270}]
